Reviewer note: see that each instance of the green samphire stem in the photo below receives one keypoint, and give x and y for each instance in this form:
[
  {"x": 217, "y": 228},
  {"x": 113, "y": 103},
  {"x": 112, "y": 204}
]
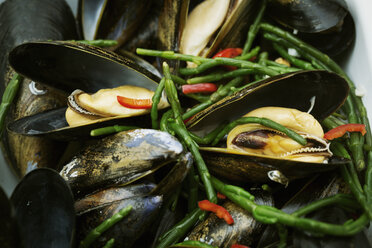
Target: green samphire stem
[{"x": 104, "y": 226}]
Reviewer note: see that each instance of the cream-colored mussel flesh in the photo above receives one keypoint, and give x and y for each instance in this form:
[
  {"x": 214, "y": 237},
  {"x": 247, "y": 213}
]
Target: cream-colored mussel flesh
[
  {"x": 260, "y": 140},
  {"x": 85, "y": 108}
]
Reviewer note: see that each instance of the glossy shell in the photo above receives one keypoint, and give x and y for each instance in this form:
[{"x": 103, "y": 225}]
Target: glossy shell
[
  {"x": 19, "y": 23},
  {"x": 124, "y": 158},
  {"x": 95, "y": 208},
  {"x": 307, "y": 15},
  {"x": 327, "y": 25},
  {"x": 240, "y": 167},
  {"x": 291, "y": 90},
  {"x": 45, "y": 211},
  {"x": 78, "y": 67},
  {"x": 245, "y": 230},
  {"x": 111, "y": 19}
]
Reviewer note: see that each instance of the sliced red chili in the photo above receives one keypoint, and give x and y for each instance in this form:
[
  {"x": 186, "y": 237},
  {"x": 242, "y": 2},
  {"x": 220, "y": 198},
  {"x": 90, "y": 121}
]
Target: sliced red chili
[
  {"x": 220, "y": 196},
  {"x": 229, "y": 53},
  {"x": 134, "y": 103},
  {"x": 199, "y": 88},
  {"x": 341, "y": 130},
  {"x": 221, "y": 212},
  {"x": 239, "y": 246}
]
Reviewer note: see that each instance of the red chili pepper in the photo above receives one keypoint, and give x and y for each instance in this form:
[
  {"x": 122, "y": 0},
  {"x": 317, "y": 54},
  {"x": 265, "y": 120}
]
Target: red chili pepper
[
  {"x": 199, "y": 88},
  {"x": 341, "y": 130},
  {"x": 229, "y": 53},
  {"x": 134, "y": 103},
  {"x": 220, "y": 196},
  {"x": 238, "y": 246},
  {"x": 221, "y": 212}
]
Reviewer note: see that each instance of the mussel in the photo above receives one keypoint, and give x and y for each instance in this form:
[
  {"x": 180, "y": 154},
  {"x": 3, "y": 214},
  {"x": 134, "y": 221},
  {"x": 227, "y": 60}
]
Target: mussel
[
  {"x": 315, "y": 188},
  {"x": 95, "y": 208},
  {"x": 328, "y": 92},
  {"x": 212, "y": 25},
  {"x": 115, "y": 19},
  {"x": 327, "y": 25},
  {"x": 244, "y": 231},
  {"x": 40, "y": 20},
  {"x": 81, "y": 67},
  {"x": 183, "y": 31},
  {"x": 44, "y": 210},
  {"x": 9, "y": 235},
  {"x": 127, "y": 157}
]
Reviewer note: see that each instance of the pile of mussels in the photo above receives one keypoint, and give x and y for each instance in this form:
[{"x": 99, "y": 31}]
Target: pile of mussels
[{"x": 71, "y": 182}]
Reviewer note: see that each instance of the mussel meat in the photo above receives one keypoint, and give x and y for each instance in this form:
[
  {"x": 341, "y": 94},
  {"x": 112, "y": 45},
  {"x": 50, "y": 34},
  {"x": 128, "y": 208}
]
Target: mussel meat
[
  {"x": 262, "y": 99},
  {"x": 81, "y": 67}
]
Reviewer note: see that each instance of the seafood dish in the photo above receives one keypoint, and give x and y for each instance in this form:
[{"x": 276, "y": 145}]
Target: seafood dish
[{"x": 208, "y": 123}]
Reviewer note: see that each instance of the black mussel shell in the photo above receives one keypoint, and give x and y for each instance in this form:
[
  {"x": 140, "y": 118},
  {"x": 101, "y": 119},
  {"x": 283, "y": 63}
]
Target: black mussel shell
[
  {"x": 325, "y": 24},
  {"x": 307, "y": 15},
  {"x": 254, "y": 169},
  {"x": 111, "y": 19},
  {"x": 126, "y": 157},
  {"x": 23, "y": 21},
  {"x": 318, "y": 187},
  {"x": 245, "y": 230},
  {"x": 36, "y": 20},
  {"x": 291, "y": 90},
  {"x": 144, "y": 211},
  {"x": 172, "y": 21},
  {"x": 9, "y": 236},
  {"x": 52, "y": 124},
  {"x": 335, "y": 42},
  {"x": 68, "y": 66},
  {"x": 44, "y": 208}
]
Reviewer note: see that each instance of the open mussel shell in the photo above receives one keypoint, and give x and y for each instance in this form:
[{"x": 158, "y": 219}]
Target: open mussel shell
[
  {"x": 244, "y": 168},
  {"x": 44, "y": 208},
  {"x": 96, "y": 208},
  {"x": 111, "y": 19},
  {"x": 235, "y": 18},
  {"x": 327, "y": 25},
  {"x": 292, "y": 90},
  {"x": 52, "y": 124},
  {"x": 124, "y": 158},
  {"x": 69, "y": 66}
]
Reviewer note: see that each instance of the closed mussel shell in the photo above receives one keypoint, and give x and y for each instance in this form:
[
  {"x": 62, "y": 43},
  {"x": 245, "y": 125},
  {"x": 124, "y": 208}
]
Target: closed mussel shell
[
  {"x": 327, "y": 25},
  {"x": 245, "y": 230},
  {"x": 44, "y": 209},
  {"x": 95, "y": 208},
  {"x": 316, "y": 188},
  {"x": 121, "y": 159}
]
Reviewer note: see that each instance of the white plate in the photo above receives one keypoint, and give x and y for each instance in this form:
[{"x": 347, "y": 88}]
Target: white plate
[{"x": 358, "y": 67}]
